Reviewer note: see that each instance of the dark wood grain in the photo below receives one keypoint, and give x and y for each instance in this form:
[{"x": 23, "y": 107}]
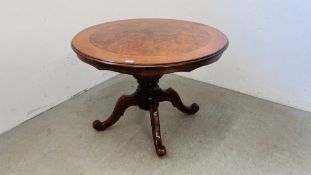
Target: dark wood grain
[
  {"x": 171, "y": 95},
  {"x": 148, "y": 49},
  {"x": 123, "y": 103},
  {"x": 156, "y": 131}
]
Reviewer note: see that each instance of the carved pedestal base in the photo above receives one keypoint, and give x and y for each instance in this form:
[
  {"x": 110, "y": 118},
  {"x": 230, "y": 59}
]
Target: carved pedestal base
[{"x": 147, "y": 97}]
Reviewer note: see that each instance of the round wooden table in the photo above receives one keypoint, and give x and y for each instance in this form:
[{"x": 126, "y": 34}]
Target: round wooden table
[{"x": 147, "y": 49}]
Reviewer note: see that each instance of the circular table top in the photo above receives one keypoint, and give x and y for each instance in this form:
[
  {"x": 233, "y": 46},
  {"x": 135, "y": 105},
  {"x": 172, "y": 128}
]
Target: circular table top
[{"x": 142, "y": 43}]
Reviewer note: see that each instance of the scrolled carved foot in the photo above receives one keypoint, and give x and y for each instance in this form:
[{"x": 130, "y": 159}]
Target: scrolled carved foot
[
  {"x": 100, "y": 126},
  {"x": 123, "y": 103},
  {"x": 156, "y": 132},
  {"x": 193, "y": 108},
  {"x": 171, "y": 95},
  {"x": 161, "y": 150}
]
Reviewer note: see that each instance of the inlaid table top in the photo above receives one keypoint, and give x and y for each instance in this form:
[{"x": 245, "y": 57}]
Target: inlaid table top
[{"x": 162, "y": 45}]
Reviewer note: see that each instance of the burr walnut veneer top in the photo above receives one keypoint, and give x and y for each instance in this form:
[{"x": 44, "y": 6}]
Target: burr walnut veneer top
[{"x": 144, "y": 42}]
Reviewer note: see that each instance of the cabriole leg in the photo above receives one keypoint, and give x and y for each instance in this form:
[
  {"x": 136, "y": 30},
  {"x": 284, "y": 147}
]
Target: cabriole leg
[
  {"x": 156, "y": 132},
  {"x": 123, "y": 103}
]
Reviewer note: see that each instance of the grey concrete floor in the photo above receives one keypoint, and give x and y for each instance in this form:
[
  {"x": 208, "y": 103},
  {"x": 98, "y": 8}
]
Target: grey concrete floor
[{"x": 231, "y": 134}]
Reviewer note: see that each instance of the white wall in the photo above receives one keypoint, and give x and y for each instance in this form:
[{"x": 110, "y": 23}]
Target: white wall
[
  {"x": 37, "y": 66},
  {"x": 268, "y": 55}
]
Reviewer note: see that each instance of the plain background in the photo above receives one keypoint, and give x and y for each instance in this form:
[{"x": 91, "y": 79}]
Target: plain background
[{"x": 268, "y": 55}]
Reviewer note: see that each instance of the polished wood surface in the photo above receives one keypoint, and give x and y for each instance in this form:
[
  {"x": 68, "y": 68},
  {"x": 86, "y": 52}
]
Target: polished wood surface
[
  {"x": 147, "y": 49},
  {"x": 164, "y": 45},
  {"x": 149, "y": 41}
]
